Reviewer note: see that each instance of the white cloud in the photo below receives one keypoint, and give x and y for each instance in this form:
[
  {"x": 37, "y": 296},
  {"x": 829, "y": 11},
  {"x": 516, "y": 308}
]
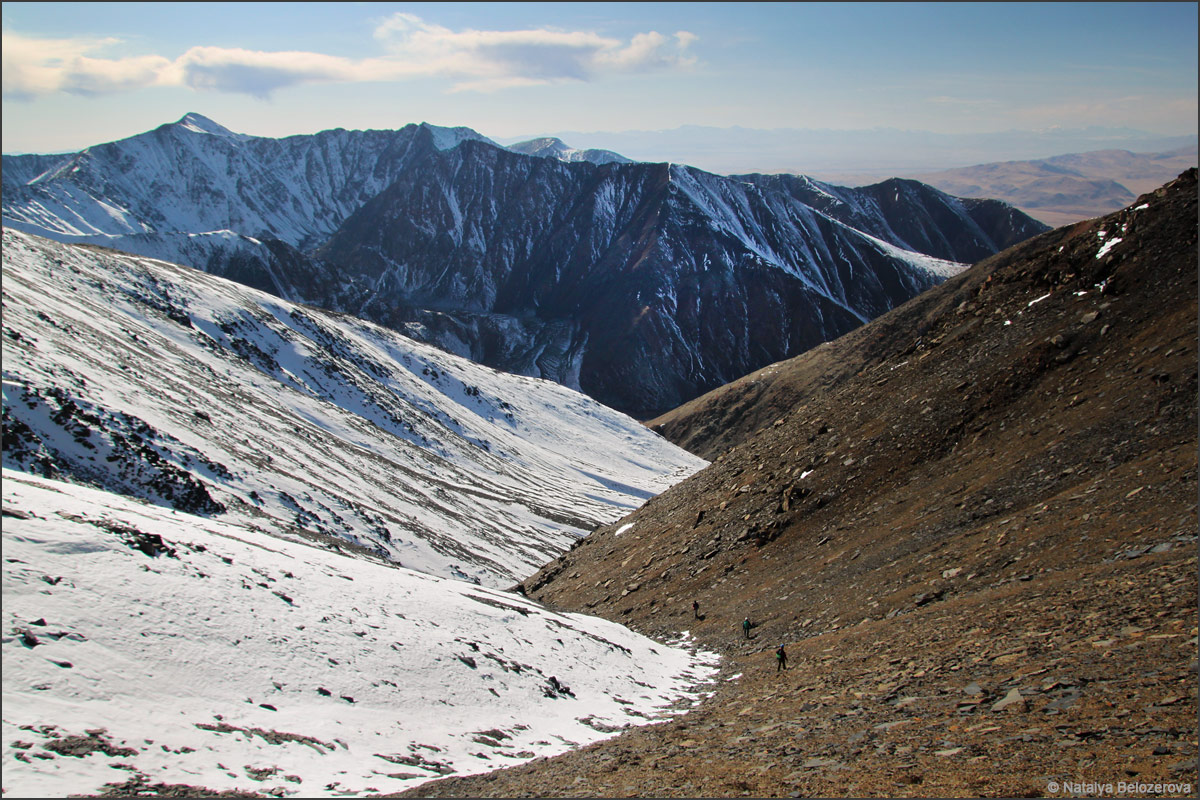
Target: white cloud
[
  {"x": 256, "y": 72},
  {"x": 36, "y": 66},
  {"x": 473, "y": 60},
  {"x": 482, "y": 59}
]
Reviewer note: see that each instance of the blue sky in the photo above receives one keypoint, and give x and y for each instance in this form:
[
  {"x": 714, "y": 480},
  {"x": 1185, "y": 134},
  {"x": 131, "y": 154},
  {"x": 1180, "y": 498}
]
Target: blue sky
[{"x": 79, "y": 74}]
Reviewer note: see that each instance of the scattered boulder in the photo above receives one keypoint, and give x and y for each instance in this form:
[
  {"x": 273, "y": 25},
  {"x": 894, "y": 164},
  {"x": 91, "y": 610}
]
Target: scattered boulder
[{"x": 1013, "y": 700}]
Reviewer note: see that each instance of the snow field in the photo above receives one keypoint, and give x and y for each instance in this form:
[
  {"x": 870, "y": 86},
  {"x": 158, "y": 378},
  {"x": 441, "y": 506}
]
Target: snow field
[{"x": 200, "y": 655}]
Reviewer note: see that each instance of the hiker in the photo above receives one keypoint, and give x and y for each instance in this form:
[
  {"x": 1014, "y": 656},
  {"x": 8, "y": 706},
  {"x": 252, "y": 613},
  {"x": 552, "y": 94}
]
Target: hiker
[
  {"x": 696, "y": 608},
  {"x": 780, "y": 659},
  {"x": 746, "y": 627}
]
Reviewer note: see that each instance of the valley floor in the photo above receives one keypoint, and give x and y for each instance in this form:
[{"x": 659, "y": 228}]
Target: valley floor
[{"x": 1079, "y": 675}]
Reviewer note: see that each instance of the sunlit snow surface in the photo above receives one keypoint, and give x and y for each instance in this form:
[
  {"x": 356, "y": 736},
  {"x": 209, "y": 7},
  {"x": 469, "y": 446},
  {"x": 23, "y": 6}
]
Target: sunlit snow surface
[
  {"x": 208, "y": 654},
  {"x": 181, "y": 178},
  {"x": 936, "y": 266},
  {"x": 150, "y": 379},
  {"x": 1109, "y": 245}
]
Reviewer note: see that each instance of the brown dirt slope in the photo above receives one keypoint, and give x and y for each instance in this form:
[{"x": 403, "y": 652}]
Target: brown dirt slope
[{"x": 972, "y": 521}]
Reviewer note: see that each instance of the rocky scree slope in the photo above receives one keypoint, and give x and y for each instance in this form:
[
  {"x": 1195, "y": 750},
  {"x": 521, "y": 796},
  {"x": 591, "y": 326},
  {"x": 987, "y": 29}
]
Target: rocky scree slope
[
  {"x": 642, "y": 284},
  {"x": 192, "y": 392},
  {"x": 973, "y": 522}
]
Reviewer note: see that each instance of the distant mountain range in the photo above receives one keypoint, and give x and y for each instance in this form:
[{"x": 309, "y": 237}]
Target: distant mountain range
[
  {"x": 885, "y": 152},
  {"x": 1059, "y": 190},
  {"x": 643, "y": 284}
]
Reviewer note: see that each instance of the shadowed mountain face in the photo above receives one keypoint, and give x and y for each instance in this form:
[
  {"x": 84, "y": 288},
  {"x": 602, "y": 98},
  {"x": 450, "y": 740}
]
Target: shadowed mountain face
[
  {"x": 642, "y": 284},
  {"x": 661, "y": 280},
  {"x": 920, "y": 217},
  {"x": 971, "y": 521}
]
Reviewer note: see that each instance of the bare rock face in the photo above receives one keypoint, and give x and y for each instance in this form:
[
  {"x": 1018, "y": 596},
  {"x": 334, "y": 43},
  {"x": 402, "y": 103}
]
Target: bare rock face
[{"x": 641, "y": 284}]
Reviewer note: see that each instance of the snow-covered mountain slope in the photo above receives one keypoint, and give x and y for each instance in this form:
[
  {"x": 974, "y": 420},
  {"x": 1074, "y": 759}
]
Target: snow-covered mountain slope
[
  {"x": 642, "y": 284},
  {"x": 149, "y": 648},
  {"x": 163, "y": 382},
  {"x": 195, "y": 176},
  {"x": 550, "y": 147}
]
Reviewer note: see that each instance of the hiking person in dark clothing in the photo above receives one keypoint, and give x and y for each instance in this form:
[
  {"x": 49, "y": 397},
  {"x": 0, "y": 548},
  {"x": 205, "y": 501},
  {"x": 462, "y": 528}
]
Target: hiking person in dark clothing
[
  {"x": 780, "y": 659},
  {"x": 696, "y": 608},
  {"x": 746, "y": 627}
]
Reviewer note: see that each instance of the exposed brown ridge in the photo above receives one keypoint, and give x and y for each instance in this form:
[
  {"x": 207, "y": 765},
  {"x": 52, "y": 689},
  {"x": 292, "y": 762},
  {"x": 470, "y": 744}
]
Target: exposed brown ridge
[{"x": 973, "y": 521}]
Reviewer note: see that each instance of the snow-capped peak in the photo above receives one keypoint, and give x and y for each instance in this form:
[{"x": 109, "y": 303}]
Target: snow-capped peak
[
  {"x": 449, "y": 138},
  {"x": 198, "y": 123},
  {"x": 545, "y": 146},
  {"x": 552, "y": 147}
]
